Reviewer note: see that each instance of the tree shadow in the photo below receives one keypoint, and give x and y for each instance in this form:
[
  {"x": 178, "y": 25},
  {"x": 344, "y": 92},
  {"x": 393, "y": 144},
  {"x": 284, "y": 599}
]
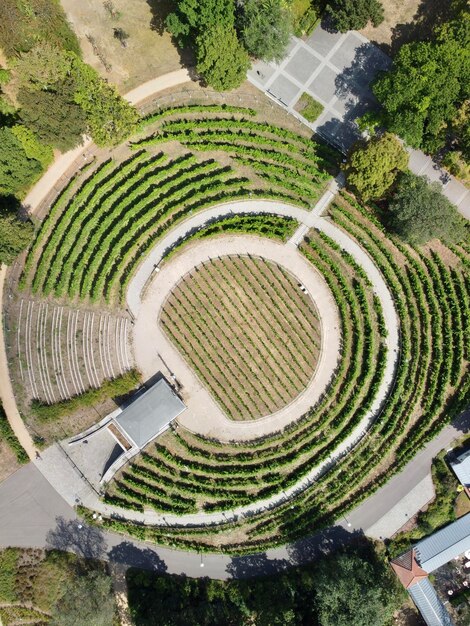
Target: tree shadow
[
  {"x": 430, "y": 13},
  {"x": 256, "y": 565},
  {"x": 76, "y": 536},
  {"x": 126, "y": 553},
  {"x": 322, "y": 544},
  {"x": 355, "y": 98},
  {"x": 160, "y": 10}
]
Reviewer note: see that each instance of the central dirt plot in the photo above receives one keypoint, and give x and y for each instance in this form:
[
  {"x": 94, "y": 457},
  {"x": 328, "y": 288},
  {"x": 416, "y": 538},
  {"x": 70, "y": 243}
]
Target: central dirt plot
[{"x": 248, "y": 331}]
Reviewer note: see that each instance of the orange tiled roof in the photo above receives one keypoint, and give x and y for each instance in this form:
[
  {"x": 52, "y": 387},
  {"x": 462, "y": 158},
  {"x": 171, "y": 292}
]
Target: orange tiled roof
[{"x": 407, "y": 569}]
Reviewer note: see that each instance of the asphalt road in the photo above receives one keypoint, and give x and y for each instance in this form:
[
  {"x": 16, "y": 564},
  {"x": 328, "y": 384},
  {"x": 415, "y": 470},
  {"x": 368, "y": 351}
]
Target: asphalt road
[{"x": 32, "y": 514}]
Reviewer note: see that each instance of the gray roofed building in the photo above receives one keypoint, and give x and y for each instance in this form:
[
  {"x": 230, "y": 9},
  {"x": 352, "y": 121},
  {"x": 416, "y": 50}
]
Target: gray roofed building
[
  {"x": 150, "y": 414},
  {"x": 461, "y": 467},
  {"x": 429, "y": 605},
  {"x": 444, "y": 545}
]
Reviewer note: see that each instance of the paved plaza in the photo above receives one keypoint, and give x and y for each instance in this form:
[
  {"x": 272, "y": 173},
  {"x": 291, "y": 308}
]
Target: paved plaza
[{"x": 335, "y": 69}]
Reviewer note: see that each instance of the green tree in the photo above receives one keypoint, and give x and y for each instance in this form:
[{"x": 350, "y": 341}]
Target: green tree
[
  {"x": 354, "y": 590},
  {"x": 15, "y": 234},
  {"x": 427, "y": 84},
  {"x": 420, "y": 212},
  {"x": 265, "y": 28},
  {"x": 86, "y": 600},
  {"x": 33, "y": 148},
  {"x": 221, "y": 59},
  {"x": 43, "y": 66},
  {"x": 53, "y": 115},
  {"x": 193, "y": 17},
  {"x": 110, "y": 118},
  {"x": 17, "y": 171},
  {"x": 354, "y": 14},
  {"x": 373, "y": 166}
]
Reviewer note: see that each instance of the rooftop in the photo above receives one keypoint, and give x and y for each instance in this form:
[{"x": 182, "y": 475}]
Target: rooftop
[
  {"x": 444, "y": 545},
  {"x": 461, "y": 467},
  {"x": 148, "y": 415},
  {"x": 430, "y": 606}
]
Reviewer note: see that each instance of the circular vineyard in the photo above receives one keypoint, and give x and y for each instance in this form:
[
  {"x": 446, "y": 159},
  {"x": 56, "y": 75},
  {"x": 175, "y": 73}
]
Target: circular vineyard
[
  {"x": 102, "y": 224},
  {"x": 248, "y": 330}
]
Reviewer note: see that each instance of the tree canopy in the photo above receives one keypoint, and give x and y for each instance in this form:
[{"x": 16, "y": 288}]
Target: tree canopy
[
  {"x": 354, "y": 14},
  {"x": 366, "y": 588},
  {"x": 373, "y": 166},
  {"x": 15, "y": 234},
  {"x": 17, "y": 170},
  {"x": 53, "y": 115},
  {"x": 427, "y": 85},
  {"x": 350, "y": 590},
  {"x": 419, "y": 212},
  {"x": 221, "y": 59},
  {"x": 265, "y": 28},
  {"x": 193, "y": 17},
  {"x": 88, "y": 599}
]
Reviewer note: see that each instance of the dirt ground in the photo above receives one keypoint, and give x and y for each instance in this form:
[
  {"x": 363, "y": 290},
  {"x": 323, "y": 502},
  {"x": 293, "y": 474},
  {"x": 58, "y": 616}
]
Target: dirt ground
[
  {"x": 8, "y": 462},
  {"x": 149, "y": 51},
  {"x": 396, "y": 12}
]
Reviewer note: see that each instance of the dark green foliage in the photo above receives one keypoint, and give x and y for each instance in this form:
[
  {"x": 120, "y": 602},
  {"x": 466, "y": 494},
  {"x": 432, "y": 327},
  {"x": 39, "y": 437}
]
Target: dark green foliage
[
  {"x": 194, "y": 17},
  {"x": 420, "y": 212},
  {"x": 265, "y": 28},
  {"x": 355, "y": 14},
  {"x": 25, "y": 22},
  {"x": 427, "y": 84},
  {"x": 298, "y": 596},
  {"x": 87, "y": 600},
  {"x": 221, "y": 59},
  {"x": 353, "y": 590},
  {"x": 17, "y": 171},
  {"x": 110, "y": 118},
  {"x": 118, "y": 387},
  {"x": 6, "y": 432},
  {"x": 53, "y": 115},
  {"x": 373, "y": 166}
]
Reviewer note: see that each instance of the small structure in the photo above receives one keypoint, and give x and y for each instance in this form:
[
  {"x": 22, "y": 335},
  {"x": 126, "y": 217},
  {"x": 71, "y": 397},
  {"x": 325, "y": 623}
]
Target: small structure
[
  {"x": 414, "y": 566},
  {"x": 150, "y": 414},
  {"x": 105, "y": 447},
  {"x": 461, "y": 467}
]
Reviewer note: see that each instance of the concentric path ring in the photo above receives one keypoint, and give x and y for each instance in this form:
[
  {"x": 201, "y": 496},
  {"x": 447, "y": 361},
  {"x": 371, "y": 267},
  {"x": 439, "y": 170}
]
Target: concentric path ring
[{"x": 204, "y": 415}]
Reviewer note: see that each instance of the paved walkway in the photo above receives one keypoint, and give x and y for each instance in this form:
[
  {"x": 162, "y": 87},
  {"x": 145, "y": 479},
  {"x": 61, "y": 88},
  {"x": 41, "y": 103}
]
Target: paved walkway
[
  {"x": 6, "y": 390},
  {"x": 336, "y": 69}
]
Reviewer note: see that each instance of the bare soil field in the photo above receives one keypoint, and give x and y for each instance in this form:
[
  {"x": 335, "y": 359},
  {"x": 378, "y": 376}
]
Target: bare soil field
[
  {"x": 249, "y": 332},
  {"x": 148, "y": 51}
]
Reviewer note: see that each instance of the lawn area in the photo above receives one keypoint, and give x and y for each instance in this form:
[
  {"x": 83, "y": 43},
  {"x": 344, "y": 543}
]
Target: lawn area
[
  {"x": 251, "y": 316},
  {"x": 308, "y": 107}
]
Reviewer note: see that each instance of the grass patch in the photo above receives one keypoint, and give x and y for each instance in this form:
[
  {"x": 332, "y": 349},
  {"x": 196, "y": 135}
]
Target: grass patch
[
  {"x": 309, "y": 108},
  {"x": 8, "y": 560},
  {"x": 306, "y": 15},
  {"x": 7, "y": 434},
  {"x": 116, "y": 388}
]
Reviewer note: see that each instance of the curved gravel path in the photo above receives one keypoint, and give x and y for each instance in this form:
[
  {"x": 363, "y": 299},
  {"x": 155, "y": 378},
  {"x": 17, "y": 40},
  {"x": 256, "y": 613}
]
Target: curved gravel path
[
  {"x": 61, "y": 474},
  {"x": 153, "y": 350}
]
